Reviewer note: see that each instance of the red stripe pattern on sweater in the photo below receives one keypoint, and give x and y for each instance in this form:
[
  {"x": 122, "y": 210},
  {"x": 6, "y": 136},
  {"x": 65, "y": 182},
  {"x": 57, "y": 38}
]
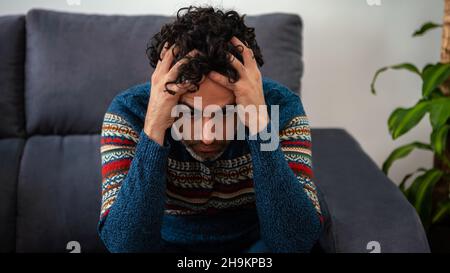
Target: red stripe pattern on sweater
[
  {"x": 295, "y": 140},
  {"x": 194, "y": 188}
]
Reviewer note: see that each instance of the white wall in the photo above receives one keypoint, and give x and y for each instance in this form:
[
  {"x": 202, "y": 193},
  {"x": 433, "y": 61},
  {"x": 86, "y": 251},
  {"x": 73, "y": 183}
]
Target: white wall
[{"x": 345, "y": 41}]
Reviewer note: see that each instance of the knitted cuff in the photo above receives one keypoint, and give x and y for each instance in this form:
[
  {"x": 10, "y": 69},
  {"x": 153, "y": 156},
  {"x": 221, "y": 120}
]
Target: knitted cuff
[
  {"x": 150, "y": 154},
  {"x": 258, "y": 143}
]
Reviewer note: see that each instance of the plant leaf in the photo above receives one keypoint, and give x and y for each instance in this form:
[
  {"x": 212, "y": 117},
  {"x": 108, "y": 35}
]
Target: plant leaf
[
  {"x": 436, "y": 94},
  {"x": 439, "y": 111},
  {"x": 425, "y": 27},
  {"x": 402, "y": 120},
  {"x": 420, "y": 194},
  {"x": 427, "y": 66},
  {"x": 402, "y": 152},
  {"x": 433, "y": 76},
  {"x": 439, "y": 138},
  {"x": 443, "y": 211},
  {"x": 407, "y": 66},
  {"x": 402, "y": 184}
]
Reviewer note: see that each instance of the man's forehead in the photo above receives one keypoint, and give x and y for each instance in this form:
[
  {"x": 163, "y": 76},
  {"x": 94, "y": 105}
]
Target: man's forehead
[{"x": 210, "y": 93}]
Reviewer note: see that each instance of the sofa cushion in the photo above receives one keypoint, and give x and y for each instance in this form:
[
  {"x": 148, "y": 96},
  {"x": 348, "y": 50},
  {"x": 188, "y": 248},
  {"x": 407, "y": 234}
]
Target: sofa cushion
[
  {"x": 77, "y": 63},
  {"x": 363, "y": 203},
  {"x": 280, "y": 37},
  {"x": 11, "y": 151},
  {"x": 59, "y": 194},
  {"x": 12, "y": 55}
]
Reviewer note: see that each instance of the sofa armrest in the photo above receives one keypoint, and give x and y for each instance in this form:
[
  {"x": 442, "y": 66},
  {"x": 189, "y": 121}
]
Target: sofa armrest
[{"x": 366, "y": 210}]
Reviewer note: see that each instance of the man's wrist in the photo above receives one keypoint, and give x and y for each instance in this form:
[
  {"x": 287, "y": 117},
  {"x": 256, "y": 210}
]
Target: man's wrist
[
  {"x": 261, "y": 123},
  {"x": 155, "y": 134}
]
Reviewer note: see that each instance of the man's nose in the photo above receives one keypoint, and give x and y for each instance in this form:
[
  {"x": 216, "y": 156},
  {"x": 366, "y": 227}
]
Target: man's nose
[{"x": 208, "y": 136}]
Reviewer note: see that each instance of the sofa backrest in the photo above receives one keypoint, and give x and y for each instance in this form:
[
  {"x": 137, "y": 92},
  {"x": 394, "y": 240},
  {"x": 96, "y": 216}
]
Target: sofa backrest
[
  {"x": 53, "y": 104},
  {"x": 12, "y": 52},
  {"x": 77, "y": 63},
  {"x": 12, "y": 120}
]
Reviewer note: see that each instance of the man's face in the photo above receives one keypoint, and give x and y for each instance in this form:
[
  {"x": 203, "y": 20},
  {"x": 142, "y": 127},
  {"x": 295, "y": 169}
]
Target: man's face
[{"x": 208, "y": 147}]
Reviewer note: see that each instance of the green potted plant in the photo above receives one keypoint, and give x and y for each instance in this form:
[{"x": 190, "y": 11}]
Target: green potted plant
[{"x": 429, "y": 191}]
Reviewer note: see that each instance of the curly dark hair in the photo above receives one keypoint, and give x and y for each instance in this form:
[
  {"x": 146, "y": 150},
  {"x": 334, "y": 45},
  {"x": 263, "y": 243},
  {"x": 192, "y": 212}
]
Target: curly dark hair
[{"x": 208, "y": 30}]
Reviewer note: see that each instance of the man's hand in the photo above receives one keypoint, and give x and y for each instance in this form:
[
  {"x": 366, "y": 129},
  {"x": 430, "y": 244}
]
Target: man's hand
[
  {"x": 160, "y": 105},
  {"x": 248, "y": 89}
]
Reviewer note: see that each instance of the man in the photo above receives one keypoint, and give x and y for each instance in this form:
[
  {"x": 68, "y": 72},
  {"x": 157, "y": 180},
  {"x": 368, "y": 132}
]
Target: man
[{"x": 207, "y": 193}]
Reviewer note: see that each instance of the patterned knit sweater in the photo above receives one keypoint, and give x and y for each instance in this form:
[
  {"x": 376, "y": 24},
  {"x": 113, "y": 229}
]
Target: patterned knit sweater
[{"x": 156, "y": 196}]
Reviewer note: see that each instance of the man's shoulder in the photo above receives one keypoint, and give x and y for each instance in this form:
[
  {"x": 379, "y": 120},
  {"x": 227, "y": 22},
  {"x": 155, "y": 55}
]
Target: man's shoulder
[
  {"x": 289, "y": 103},
  {"x": 131, "y": 104},
  {"x": 131, "y": 97},
  {"x": 278, "y": 93}
]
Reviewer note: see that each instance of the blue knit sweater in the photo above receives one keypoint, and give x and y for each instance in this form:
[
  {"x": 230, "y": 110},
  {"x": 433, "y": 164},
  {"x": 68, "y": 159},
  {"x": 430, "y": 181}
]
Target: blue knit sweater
[{"x": 156, "y": 198}]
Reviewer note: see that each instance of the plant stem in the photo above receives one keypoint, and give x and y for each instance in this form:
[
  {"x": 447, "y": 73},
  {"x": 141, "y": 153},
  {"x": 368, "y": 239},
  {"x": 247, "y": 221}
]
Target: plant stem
[{"x": 441, "y": 190}]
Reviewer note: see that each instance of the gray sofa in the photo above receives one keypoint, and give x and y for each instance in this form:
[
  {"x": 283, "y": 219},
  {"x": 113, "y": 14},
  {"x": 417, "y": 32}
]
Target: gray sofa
[{"x": 58, "y": 74}]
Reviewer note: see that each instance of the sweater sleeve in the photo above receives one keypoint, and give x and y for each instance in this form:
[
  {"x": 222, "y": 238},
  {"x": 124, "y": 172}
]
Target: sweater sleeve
[
  {"x": 133, "y": 187},
  {"x": 286, "y": 197}
]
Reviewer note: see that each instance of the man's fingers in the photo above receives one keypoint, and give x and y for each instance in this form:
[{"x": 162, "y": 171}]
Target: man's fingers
[
  {"x": 163, "y": 51},
  {"x": 167, "y": 60},
  {"x": 236, "y": 63},
  {"x": 161, "y": 55},
  {"x": 178, "y": 89},
  {"x": 173, "y": 73},
  {"x": 247, "y": 53},
  {"x": 221, "y": 79}
]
